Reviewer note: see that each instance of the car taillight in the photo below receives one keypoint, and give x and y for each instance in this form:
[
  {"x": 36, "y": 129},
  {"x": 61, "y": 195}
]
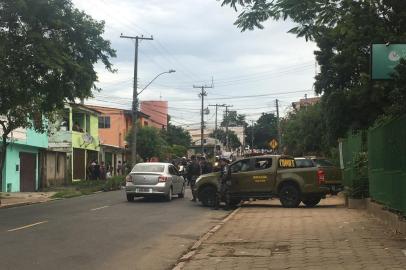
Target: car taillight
[
  {"x": 162, "y": 178},
  {"x": 128, "y": 178},
  {"x": 321, "y": 177}
]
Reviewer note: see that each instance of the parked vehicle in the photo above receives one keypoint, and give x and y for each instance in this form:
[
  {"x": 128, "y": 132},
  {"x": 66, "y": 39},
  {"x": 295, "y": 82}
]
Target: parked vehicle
[
  {"x": 154, "y": 179},
  {"x": 332, "y": 173},
  {"x": 265, "y": 177}
]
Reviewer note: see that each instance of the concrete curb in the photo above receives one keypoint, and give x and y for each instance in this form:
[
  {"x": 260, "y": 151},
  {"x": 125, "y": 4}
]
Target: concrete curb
[
  {"x": 192, "y": 251},
  {"x": 23, "y": 204}
]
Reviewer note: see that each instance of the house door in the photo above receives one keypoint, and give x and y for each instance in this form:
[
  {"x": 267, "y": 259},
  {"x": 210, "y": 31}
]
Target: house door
[
  {"x": 79, "y": 167},
  {"x": 28, "y": 172}
]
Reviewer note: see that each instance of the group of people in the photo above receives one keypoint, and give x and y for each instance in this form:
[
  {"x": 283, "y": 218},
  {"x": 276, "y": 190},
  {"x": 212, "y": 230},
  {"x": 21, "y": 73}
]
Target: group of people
[
  {"x": 192, "y": 168},
  {"x": 102, "y": 171}
]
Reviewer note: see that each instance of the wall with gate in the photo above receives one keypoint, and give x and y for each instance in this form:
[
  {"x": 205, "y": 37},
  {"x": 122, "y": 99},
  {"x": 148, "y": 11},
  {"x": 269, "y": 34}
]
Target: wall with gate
[{"x": 387, "y": 164}]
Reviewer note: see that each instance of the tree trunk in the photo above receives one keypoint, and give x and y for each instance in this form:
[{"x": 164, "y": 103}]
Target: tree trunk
[{"x": 3, "y": 152}]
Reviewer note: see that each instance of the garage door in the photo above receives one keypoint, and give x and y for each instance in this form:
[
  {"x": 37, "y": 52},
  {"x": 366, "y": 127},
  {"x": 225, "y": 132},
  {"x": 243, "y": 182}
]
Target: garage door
[{"x": 28, "y": 171}]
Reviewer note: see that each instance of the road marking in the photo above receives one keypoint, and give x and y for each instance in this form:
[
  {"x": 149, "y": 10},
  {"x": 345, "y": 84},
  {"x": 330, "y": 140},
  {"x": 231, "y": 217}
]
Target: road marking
[
  {"x": 98, "y": 208},
  {"x": 27, "y": 226}
]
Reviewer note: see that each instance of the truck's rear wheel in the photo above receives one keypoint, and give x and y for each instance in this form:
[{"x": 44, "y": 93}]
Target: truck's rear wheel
[
  {"x": 207, "y": 195},
  {"x": 311, "y": 201},
  {"x": 289, "y": 196}
]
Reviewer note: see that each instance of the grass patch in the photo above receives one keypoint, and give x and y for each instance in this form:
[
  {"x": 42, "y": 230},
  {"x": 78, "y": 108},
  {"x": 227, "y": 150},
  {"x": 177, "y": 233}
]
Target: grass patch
[{"x": 87, "y": 187}]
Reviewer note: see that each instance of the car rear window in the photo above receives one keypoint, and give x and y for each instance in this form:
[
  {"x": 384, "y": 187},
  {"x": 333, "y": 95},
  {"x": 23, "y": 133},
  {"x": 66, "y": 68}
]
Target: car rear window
[
  {"x": 149, "y": 168},
  {"x": 304, "y": 163},
  {"x": 323, "y": 162}
]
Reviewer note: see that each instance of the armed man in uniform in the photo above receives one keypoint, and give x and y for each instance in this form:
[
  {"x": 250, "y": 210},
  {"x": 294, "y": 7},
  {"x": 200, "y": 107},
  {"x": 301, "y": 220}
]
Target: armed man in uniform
[{"x": 224, "y": 192}]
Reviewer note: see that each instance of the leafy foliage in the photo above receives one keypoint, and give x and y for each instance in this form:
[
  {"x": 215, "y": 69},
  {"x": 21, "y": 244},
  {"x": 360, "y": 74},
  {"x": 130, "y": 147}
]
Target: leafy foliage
[
  {"x": 176, "y": 135},
  {"x": 233, "y": 119},
  {"x": 265, "y": 130},
  {"x": 303, "y": 131},
  {"x": 343, "y": 31},
  {"x": 47, "y": 52},
  {"x": 150, "y": 143},
  {"x": 221, "y": 135}
]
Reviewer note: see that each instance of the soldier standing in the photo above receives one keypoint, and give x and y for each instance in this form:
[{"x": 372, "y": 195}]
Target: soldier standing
[
  {"x": 224, "y": 192},
  {"x": 194, "y": 172}
]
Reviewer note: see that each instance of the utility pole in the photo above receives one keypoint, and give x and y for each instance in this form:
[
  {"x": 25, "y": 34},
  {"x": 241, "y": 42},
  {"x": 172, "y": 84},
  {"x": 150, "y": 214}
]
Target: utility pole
[
  {"x": 202, "y": 94},
  {"x": 227, "y": 120},
  {"x": 278, "y": 124},
  {"x": 215, "y": 125},
  {"x": 135, "y": 97},
  {"x": 252, "y": 135}
]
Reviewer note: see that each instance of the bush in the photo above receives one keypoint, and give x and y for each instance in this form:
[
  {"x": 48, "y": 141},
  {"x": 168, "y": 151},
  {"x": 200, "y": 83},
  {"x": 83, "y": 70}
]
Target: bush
[{"x": 114, "y": 183}]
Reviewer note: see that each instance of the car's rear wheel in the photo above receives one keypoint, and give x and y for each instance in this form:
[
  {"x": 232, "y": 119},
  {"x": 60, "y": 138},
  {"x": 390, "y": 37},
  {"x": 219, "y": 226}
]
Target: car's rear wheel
[
  {"x": 289, "y": 196},
  {"x": 130, "y": 197},
  {"x": 311, "y": 201},
  {"x": 168, "y": 196},
  {"x": 182, "y": 193},
  {"x": 207, "y": 195}
]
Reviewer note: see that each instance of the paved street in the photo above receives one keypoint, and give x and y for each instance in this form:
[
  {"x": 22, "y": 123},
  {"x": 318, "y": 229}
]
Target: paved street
[
  {"x": 263, "y": 235},
  {"x": 101, "y": 231}
]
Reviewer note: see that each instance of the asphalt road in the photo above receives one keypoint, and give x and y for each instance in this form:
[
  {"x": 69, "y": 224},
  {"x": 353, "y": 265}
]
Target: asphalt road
[{"x": 101, "y": 231}]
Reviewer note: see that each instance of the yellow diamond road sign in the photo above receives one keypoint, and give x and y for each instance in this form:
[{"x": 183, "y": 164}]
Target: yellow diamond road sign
[{"x": 273, "y": 144}]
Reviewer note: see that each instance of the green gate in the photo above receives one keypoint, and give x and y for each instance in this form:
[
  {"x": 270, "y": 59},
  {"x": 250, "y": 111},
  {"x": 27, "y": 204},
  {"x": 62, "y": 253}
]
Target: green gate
[
  {"x": 354, "y": 149},
  {"x": 387, "y": 164}
]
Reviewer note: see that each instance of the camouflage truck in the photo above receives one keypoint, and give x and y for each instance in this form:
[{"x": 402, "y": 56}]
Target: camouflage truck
[{"x": 264, "y": 177}]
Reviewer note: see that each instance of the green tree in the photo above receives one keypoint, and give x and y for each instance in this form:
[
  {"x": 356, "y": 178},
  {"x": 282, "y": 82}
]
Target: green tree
[
  {"x": 47, "y": 53},
  {"x": 221, "y": 135},
  {"x": 265, "y": 129},
  {"x": 150, "y": 143},
  {"x": 303, "y": 131},
  {"x": 176, "y": 135},
  {"x": 343, "y": 31},
  {"x": 178, "y": 150},
  {"x": 234, "y": 120}
]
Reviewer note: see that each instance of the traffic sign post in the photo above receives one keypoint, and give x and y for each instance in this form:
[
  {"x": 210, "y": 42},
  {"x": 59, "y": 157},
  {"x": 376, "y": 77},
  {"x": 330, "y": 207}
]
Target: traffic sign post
[{"x": 273, "y": 144}]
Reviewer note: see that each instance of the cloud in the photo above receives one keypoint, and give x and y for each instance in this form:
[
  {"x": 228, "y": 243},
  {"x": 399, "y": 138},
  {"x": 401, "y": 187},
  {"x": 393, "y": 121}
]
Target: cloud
[{"x": 197, "y": 38}]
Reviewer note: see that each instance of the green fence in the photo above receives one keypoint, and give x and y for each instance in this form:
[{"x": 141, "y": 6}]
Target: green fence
[
  {"x": 353, "y": 150},
  {"x": 387, "y": 164}
]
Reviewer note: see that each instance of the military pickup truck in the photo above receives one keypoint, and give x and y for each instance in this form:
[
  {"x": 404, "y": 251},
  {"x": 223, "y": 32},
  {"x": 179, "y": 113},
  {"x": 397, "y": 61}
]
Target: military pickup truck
[{"x": 264, "y": 177}]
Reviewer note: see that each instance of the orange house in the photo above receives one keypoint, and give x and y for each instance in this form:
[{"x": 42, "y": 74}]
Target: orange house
[{"x": 114, "y": 125}]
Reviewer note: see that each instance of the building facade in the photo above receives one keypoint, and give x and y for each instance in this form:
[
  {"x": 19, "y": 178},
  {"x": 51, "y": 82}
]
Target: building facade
[
  {"x": 76, "y": 134},
  {"x": 21, "y": 172},
  {"x": 114, "y": 125},
  {"x": 157, "y": 111}
]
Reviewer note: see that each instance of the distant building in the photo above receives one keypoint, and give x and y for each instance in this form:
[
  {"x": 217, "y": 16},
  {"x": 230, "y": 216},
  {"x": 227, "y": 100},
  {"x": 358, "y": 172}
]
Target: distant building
[
  {"x": 304, "y": 102},
  {"x": 157, "y": 111}
]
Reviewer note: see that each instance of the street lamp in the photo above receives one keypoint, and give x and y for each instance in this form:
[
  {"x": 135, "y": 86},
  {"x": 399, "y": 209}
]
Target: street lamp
[
  {"x": 135, "y": 115},
  {"x": 169, "y": 71}
]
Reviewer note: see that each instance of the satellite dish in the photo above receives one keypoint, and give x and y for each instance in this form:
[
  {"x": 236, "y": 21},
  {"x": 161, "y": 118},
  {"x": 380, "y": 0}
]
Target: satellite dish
[{"x": 87, "y": 138}]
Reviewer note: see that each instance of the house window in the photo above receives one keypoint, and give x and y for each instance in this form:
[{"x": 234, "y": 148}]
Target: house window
[{"x": 104, "y": 122}]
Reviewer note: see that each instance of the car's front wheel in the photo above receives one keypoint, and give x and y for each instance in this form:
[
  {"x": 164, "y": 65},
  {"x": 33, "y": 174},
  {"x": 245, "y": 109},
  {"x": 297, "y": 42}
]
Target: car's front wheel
[
  {"x": 207, "y": 195},
  {"x": 130, "y": 197},
  {"x": 289, "y": 196}
]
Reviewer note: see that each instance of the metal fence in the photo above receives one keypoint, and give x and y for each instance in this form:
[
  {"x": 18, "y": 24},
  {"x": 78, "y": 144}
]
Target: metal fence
[
  {"x": 387, "y": 164},
  {"x": 353, "y": 147}
]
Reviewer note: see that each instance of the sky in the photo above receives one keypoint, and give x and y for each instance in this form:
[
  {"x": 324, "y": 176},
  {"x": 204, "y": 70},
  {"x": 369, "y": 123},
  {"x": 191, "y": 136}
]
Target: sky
[{"x": 197, "y": 38}]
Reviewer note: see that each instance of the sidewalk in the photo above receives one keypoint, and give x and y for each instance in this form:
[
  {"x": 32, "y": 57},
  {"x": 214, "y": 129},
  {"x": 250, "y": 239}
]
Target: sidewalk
[
  {"x": 263, "y": 235},
  {"x": 23, "y": 198}
]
